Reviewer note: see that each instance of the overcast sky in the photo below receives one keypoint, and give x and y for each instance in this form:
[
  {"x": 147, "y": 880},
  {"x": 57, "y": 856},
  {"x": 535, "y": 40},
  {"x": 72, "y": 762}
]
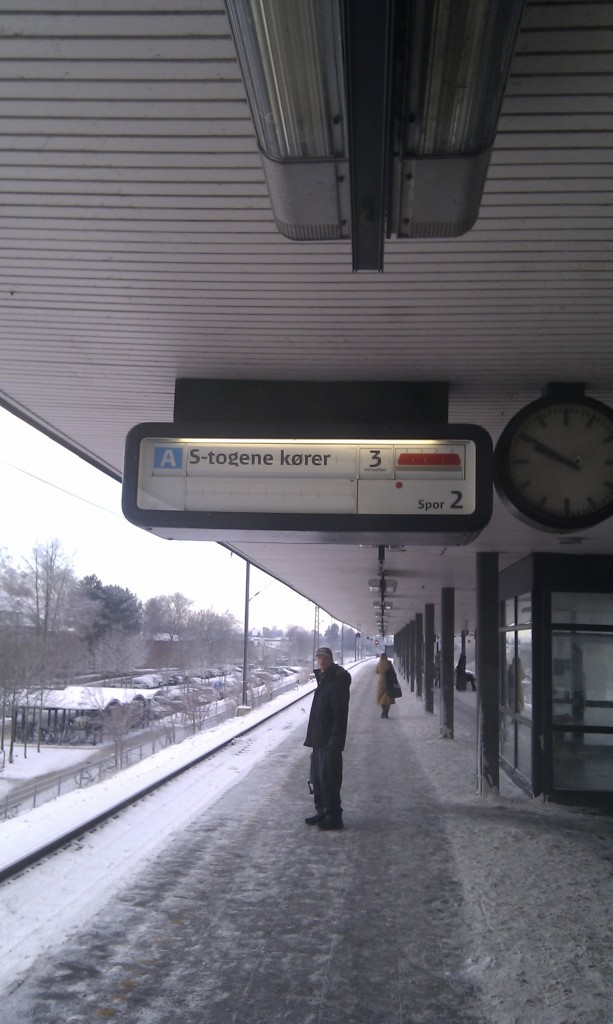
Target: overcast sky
[{"x": 48, "y": 493}]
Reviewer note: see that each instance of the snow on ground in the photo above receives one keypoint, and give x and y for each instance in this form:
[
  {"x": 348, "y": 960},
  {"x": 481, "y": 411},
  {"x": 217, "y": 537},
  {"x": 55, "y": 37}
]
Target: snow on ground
[
  {"x": 537, "y": 877},
  {"x": 47, "y": 761},
  {"x": 27, "y": 832},
  {"x": 538, "y": 890},
  {"x": 68, "y": 889}
]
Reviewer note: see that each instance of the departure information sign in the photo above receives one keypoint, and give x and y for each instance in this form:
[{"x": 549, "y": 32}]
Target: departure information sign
[{"x": 181, "y": 482}]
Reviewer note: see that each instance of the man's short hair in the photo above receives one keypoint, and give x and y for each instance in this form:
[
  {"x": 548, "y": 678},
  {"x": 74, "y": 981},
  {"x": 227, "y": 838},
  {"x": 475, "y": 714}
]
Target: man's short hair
[{"x": 323, "y": 650}]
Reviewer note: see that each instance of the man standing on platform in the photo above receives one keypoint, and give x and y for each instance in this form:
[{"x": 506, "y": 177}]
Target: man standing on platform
[{"x": 326, "y": 733}]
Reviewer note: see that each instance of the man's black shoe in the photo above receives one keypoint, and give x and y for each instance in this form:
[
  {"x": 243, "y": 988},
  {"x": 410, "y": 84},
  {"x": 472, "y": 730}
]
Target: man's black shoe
[
  {"x": 330, "y": 824},
  {"x": 315, "y": 819}
]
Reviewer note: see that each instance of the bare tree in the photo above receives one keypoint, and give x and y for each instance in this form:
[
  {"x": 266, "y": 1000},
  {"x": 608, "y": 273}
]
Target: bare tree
[
  {"x": 11, "y": 681},
  {"x": 117, "y": 653},
  {"x": 49, "y": 581},
  {"x": 34, "y": 647},
  {"x": 21, "y": 661},
  {"x": 213, "y": 640},
  {"x": 195, "y": 706},
  {"x": 119, "y": 720},
  {"x": 300, "y": 643},
  {"x": 167, "y": 615}
]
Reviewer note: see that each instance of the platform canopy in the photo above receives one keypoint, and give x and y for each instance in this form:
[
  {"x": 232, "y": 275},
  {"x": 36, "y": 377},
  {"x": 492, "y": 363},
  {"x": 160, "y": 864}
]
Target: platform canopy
[{"x": 139, "y": 248}]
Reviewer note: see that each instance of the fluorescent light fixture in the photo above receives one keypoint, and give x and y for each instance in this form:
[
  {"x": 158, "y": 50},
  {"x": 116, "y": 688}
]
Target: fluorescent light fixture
[
  {"x": 382, "y": 585},
  {"x": 290, "y": 52},
  {"x": 375, "y": 117},
  {"x": 454, "y": 58}
]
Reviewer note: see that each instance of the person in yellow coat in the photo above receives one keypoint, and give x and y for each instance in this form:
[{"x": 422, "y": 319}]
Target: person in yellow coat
[{"x": 386, "y": 676}]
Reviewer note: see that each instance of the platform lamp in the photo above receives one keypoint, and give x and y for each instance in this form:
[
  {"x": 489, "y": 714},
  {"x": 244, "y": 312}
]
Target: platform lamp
[
  {"x": 246, "y": 633},
  {"x": 375, "y": 118},
  {"x": 382, "y": 585}
]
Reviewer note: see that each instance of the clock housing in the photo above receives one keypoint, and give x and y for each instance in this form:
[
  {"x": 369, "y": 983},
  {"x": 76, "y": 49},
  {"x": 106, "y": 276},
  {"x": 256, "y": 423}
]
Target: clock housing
[{"x": 553, "y": 464}]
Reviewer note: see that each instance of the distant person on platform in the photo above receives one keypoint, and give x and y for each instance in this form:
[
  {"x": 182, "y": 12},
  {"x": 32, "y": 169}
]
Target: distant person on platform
[
  {"x": 326, "y": 733},
  {"x": 463, "y": 678},
  {"x": 386, "y": 679}
]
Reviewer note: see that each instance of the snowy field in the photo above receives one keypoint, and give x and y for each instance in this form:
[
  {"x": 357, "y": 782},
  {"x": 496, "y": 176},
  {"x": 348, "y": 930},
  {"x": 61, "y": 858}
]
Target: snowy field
[
  {"x": 36, "y": 764},
  {"x": 26, "y": 833},
  {"x": 537, "y": 878}
]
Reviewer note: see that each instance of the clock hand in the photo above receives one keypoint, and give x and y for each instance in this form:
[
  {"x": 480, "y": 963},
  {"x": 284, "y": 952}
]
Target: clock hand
[{"x": 543, "y": 449}]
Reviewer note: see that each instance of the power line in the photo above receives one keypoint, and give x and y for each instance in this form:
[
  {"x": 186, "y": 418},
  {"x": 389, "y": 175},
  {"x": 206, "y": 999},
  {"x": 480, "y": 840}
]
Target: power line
[{"x": 56, "y": 487}]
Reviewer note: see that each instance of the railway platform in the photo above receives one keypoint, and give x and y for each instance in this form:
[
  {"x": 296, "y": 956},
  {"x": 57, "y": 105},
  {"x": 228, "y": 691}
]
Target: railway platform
[{"x": 432, "y": 906}]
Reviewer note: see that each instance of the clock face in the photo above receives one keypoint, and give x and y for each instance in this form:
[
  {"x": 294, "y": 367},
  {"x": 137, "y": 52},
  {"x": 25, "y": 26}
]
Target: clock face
[{"x": 554, "y": 463}]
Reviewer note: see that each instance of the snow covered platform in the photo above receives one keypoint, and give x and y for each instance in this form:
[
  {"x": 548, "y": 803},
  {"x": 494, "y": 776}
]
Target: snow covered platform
[{"x": 211, "y": 902}]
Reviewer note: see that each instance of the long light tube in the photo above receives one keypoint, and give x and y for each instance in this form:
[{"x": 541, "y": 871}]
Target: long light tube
[
  {"x": 453, "y": 59},
  {"x": 290, "y": 53},
  {"x": 446, "y": 62}
]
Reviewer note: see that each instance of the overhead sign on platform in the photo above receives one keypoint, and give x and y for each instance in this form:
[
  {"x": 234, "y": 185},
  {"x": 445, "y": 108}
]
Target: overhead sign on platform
[{"x": 181, "y": 482}]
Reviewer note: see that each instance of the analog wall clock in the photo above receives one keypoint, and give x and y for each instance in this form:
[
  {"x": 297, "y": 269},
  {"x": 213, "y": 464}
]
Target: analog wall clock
[{"x": 553, "y": 464}]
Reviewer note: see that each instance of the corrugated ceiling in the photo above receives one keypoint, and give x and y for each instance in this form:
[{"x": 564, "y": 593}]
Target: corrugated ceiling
[{"x": 138, "y": 246}]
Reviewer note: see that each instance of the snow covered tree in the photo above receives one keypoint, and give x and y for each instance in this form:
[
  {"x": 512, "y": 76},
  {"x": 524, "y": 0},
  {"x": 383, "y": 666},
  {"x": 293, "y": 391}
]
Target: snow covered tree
[
  {"x": 213, "y": 640},
  {"x": 102, "y": 609},
  {"x": 300, "y": 644},
  {"x": 167, "y": 615},
  {"x": 49, "y": 583}
]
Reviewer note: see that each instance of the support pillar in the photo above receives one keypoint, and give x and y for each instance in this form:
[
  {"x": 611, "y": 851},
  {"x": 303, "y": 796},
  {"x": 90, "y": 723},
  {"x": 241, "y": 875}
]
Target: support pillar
[
  {"x": 419, "y": 655},
  {"x": 429, "y": 657},
  {"x": 447, "y": 659},
  {"x": 412, "y": 655},
  {"x": 488, "y": 670}
]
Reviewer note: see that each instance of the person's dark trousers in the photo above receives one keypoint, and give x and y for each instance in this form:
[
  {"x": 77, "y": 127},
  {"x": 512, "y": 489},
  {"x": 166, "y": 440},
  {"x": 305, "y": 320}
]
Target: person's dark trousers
[{"x": 327, "y": 778}]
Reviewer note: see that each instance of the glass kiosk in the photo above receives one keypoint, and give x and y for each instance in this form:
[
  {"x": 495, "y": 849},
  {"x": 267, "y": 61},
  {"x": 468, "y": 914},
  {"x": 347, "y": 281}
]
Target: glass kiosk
[{"x": 556, "y": 686}]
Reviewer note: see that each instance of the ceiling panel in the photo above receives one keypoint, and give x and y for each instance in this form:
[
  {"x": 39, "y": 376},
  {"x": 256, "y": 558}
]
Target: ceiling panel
[{"x": 138, "y": 246}]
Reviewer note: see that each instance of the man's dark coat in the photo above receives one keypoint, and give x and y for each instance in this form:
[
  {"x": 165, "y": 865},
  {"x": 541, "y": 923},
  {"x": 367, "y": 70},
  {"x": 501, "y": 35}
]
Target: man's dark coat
[{"x": 330, "y": 707}]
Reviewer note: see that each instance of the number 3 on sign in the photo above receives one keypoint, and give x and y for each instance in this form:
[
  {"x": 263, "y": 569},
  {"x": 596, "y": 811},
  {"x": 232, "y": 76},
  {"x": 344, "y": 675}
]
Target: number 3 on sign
[{"x": 377, "y": 462}]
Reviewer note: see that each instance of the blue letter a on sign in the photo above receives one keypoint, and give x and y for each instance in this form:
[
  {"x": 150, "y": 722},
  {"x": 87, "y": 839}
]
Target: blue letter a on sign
[{"x": 167, "y": 458}]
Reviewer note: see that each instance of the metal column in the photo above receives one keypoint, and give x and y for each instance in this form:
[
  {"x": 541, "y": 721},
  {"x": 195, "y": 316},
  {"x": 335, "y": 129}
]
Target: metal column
[
  {"x": 447, "y": 659},
  {"x": 429, "y": 657},
  {"x": 488, "y": 670},
  {"x": 412, "y": 655},
  {"x": 419, "y": 655}
]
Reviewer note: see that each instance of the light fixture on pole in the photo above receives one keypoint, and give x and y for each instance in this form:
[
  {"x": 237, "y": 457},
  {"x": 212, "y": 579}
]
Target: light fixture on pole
[
  {"x": 375, "y": 118},
  {"x": 382, "y": 584},
  {"x": 246, "y": 633}
]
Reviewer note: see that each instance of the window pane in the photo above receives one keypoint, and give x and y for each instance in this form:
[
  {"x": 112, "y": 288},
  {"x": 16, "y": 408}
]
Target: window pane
[
  {"x": 582, "y": 678},
  {"x": 583, "y": 609},
  {"x": 524, "y": 610},
  {"x": 582, "y": 762},
  {"x": 524, "y": 750},
  {"x": 507, "y": 739},
  {"x": 517, "y": 677},
  {"x": 508, "y": 676},
  {"x": 523, "y": 672}
]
